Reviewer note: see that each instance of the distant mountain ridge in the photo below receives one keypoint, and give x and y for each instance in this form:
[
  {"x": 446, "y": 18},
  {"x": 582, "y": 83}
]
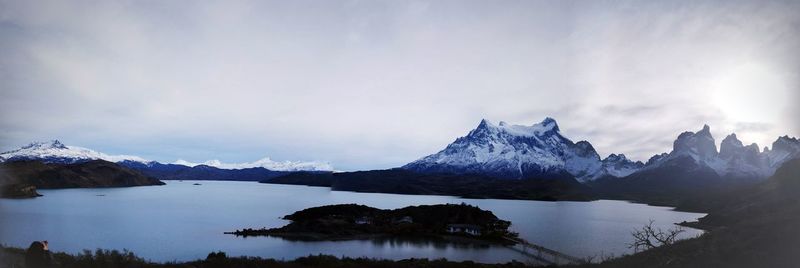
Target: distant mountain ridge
[
  {"x": 203, "y": 172},
  {"x": 541, "y": 151},
  {"x": 56, "y": 152},
  {"x": 20, "y": 179},
  {"x": 733, "y": 160}
]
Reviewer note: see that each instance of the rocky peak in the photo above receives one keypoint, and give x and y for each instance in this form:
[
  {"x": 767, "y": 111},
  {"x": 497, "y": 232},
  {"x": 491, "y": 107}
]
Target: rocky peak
[
  {"x": 699, "y": 145},
  {"x": 551, "y": 123},
  {"x": 615, "y": 158},
  {"x": 585, "y": 148},
  {"x": 786, "y": 144},
  {"x": 729, "y": 146},
  {"x": 53, "y": 144},
  {"x": 656, "y": 158}
]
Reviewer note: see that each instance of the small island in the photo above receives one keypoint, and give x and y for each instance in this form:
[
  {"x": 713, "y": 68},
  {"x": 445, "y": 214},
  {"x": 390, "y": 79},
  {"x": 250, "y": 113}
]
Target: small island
[{"x": 454, "y": 222}]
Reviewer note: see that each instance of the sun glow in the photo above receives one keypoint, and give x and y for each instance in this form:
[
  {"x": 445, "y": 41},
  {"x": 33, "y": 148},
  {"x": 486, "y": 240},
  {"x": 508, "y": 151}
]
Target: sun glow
[{"x": 750, "y": 93}]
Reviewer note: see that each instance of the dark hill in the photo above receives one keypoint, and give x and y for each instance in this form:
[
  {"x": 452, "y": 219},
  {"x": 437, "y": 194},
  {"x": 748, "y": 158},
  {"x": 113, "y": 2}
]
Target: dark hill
[
  {"x": 95, "y": 173},
  {"x": 202, "y": 172},
  {"x": 401, "y": 181},
  {"x": 755, "y": 226}
]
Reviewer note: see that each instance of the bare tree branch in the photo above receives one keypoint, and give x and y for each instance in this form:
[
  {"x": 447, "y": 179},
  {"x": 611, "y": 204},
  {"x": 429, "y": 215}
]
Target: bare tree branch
[{"x": 649, "y": 237}]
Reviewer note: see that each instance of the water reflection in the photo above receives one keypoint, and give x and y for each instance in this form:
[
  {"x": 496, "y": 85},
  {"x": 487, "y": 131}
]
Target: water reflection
[{"x": 180, "y": 221}]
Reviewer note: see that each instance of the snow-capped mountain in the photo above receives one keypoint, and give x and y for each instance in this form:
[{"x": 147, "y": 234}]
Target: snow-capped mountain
[
  {"x": 56, "y": 152},
  {"x": 515, "y": 151},
  {"x": 265, "y": 163},
  {"x": 617, "y": 165},
  {"x": 733, "y": 160}
]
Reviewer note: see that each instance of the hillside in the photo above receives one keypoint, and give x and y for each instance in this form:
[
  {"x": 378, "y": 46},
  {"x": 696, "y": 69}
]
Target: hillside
[
  {"x": 753, "y": 226},
  {"x": 201, "y": 172},
  {"x": 95, "y": 173},
  {"x": 402, "y": 181}
]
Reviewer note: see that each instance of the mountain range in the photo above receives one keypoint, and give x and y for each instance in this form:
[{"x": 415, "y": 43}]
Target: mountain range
[
  {"x": 541, "y": 151},
  {"x": 492, "y": 161},
  {"x": 57, "y": 153},
  {"x": 52, "y": 164}
]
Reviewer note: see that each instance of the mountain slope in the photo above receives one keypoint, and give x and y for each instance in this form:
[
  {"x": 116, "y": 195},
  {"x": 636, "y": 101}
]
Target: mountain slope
[
  {"x": 56, "y": 152},
  {"x": 752, "y": 226},
  {"x": 519, "y": 152}
]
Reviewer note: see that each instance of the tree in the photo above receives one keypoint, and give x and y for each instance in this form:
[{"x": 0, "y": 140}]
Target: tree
[{"x": 649, "y": 237}]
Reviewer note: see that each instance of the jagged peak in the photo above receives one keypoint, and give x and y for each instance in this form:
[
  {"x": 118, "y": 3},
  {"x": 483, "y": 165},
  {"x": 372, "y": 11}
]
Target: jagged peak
[
  {"x": 547, "y": 126},
  {"x": 656, "y": 158},
  {"x": 54, "y": 144},
  {"x": 485, "y": 123},
  {"x": 700, "y": 144},
  {"x": 615, "y": 157},
  {"x": 548, "y": 121},
  {"x": 584, "y": 144},
  {"x": 586, "y": 148},
  {"x": 706, "y": 129},
  {"x": 786, "y": 143},
  {"x": 753, "y": 147},
  {"x": 731, "y": 140}
]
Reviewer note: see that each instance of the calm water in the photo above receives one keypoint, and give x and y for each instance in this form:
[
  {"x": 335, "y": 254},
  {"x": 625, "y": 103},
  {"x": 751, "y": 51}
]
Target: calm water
[{"x": 181, "y": 221}]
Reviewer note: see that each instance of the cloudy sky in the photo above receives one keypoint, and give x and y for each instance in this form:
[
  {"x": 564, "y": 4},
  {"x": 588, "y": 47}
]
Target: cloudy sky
[{"x": 376, "y": 84}]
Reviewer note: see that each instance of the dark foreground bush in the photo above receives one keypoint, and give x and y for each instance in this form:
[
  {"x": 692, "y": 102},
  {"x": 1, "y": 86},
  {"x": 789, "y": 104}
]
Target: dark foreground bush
[{"x": 14, "y": 257}]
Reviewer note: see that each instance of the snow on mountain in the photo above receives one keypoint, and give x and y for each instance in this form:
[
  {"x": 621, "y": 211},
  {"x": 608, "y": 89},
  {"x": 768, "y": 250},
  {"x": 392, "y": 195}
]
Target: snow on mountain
[
  {"x": 265, "y": 163},
  {"x": 783, "y": 149},
  {"x": 515, "y": 151},
  {"x": 618, "y": 165},
  {"x": 734, "y": 159},
  {"x": 56, "y": 152},
  {"x": 741, "y": 161}
]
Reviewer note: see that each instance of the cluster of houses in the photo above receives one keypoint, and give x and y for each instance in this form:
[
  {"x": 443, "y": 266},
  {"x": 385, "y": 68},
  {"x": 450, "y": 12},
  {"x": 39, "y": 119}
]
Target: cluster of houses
[
  {"x": 470, "y": 229},
  {"x": 368, "y": 220}
]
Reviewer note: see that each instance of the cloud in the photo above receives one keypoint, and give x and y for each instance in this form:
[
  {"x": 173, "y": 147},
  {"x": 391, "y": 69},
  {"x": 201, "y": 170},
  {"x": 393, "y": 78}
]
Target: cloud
[{"x": 378, "y": 84}]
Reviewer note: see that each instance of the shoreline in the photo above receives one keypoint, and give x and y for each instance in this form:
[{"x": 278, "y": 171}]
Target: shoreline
[{"x": 320, "y": 237}]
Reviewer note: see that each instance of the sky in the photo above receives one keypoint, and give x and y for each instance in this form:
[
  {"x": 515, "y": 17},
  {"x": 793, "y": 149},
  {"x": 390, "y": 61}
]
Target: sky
[{"x": 377, "y": 84}]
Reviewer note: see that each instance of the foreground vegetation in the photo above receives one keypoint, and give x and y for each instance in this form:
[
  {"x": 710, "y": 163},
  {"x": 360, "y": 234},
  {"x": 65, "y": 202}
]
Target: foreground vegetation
[
  {"x": 748, "y": 227},
  {"x": 14, "y": 257}
]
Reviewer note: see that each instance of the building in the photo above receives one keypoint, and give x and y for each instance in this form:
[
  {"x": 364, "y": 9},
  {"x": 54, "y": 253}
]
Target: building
[
  {"x": 363, "y": 220},
  {"x": 470, "y": 229},
  {"x": 405, "y": 219}
]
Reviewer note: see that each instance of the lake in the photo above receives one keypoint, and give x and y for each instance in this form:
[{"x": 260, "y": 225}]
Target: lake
[{"x": 181, "y": 221}]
